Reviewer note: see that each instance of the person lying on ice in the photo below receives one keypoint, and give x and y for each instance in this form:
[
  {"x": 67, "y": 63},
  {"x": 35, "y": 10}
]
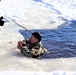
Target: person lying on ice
[{"x": 32, "y": 47}]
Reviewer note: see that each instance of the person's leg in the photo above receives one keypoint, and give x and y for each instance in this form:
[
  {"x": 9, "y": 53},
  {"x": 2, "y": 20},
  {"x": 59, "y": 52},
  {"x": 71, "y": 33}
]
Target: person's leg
[{"x": 25, "y": 52}]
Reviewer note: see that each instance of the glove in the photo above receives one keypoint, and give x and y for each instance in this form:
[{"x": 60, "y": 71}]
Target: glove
[{"x": 23, "y": 44}]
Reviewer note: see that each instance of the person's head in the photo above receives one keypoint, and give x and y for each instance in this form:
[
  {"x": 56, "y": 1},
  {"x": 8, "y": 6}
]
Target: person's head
[
  {"x": 1, "y": 17},
  {"x": 36, "y": 37}
]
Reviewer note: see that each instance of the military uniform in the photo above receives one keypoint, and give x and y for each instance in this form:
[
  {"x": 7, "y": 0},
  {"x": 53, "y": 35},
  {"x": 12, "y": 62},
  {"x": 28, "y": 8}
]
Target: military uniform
[{"x": 32, "y": 50}]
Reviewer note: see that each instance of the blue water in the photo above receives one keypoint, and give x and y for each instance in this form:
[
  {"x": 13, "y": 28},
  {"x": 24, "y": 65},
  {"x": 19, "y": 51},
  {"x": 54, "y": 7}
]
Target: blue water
[{"x": 61, "y": 41}]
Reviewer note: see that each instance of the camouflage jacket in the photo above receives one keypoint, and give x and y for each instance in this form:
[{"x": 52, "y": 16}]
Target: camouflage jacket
[{"x": 32, "y": 50}]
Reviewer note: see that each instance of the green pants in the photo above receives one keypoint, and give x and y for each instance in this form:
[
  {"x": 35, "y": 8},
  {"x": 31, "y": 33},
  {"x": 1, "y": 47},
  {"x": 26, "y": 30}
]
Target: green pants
[
  {"x": 29, "y": 54},
  {"x": 25, "y": 53}
]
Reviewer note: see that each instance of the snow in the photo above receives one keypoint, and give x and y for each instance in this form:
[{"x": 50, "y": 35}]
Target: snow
[
  {"x": 35, "y": 16},
  {"x": 36, "y": 73}
]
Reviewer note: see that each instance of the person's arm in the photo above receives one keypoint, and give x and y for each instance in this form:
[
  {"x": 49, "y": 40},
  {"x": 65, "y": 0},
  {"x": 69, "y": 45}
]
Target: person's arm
[{"x": 21, "y": 44}]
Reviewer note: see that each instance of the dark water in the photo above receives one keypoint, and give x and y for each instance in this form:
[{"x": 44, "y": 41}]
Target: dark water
[{"x": 61, "y": 42}]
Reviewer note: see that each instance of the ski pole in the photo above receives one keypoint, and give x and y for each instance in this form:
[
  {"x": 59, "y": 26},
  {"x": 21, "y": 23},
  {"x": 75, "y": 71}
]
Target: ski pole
[{"x": 19, "y": 25}]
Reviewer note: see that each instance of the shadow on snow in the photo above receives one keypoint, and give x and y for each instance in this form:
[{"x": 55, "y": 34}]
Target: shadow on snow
[{"x": 48, "y": 5}]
